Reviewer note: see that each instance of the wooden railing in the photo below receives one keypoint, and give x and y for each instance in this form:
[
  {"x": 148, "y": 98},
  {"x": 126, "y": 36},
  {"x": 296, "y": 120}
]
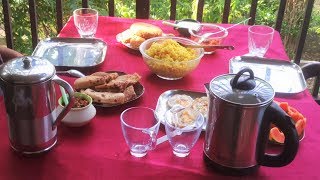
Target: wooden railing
[{"x": 143, "y": 12}]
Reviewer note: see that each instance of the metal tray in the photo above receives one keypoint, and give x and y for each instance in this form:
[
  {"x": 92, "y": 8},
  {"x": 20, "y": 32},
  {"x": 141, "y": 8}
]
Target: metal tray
[
  {"x": 284, "y": 76},
  {"x": 162, "y": 106},
  {"x": 72, "y": 53}
]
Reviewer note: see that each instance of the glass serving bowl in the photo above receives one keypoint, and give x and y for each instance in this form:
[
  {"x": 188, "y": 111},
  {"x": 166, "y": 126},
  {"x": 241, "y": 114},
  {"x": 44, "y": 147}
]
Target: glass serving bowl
[
  {"x": 209, "y": 34},
  {"x": 173, "y": 69}
]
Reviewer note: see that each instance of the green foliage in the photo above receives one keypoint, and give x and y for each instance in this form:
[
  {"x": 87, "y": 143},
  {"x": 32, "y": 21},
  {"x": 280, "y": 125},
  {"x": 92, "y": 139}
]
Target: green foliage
[
  {"x": 184, "y": 9},
  {"x": 21, "y": 27},
  {"x": 160, "y": 9},
  {"x": 315, "y": 22},
  {"x": 213, "y": 10},
  {"x": 125, "y": 8},
  {"x": 267, "y": 12}
]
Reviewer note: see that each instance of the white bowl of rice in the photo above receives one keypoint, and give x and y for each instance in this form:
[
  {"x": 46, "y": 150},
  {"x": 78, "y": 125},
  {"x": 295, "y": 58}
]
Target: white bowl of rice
[{"x": 168, "y": 59}]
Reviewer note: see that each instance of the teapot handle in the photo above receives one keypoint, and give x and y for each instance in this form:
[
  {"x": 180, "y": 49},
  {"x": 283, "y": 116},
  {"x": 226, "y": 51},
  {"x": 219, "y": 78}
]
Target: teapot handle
[
  {"x": 67, "y": 108},
  {"x": 274, "y": 114}
]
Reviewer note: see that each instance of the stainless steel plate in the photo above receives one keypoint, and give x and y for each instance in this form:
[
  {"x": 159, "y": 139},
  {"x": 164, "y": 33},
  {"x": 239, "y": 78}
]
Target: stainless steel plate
[
  {"x": 284, "y": 76},
  {"x": 138, "y": 88},
  {"x": 162, "y": 106},
  {"x": 72, "y": 53}
]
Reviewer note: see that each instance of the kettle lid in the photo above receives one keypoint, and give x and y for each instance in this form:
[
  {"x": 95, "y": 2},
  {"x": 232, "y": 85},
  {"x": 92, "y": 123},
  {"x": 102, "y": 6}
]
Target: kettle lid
[
  {"x": 242, "y": 89},
  {"x": 27, "y": 70}
]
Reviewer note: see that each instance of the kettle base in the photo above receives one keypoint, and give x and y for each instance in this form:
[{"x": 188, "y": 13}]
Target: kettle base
[
  {"x": 34, "y": 150},
  {"x": 229, "y": 170}
]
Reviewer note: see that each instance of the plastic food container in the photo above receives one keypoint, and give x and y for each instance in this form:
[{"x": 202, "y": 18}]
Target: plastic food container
[
  {"x": 186, "y": 26},
  {"x": 209, "y": 34}
]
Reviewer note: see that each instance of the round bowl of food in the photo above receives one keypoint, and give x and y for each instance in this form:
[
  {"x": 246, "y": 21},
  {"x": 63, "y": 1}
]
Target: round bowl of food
[
  {"x": 186, "y": 25},
  {"x": 82, "y": 111},
  {"x": 169, "y": 58},
  {"x": 209, "y": 34}
]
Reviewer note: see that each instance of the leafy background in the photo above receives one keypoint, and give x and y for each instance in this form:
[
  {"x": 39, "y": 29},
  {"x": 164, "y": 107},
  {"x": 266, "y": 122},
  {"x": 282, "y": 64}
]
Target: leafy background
[{"x": 266, "y": 14}]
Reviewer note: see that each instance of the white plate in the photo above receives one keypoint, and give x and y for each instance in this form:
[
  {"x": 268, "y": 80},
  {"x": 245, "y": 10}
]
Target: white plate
[{"x": 121, "y": 36}]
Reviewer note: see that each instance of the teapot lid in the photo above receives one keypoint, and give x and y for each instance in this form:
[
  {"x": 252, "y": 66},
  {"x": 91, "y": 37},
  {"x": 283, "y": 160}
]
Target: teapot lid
[
  {"x": 27, "y": 70},
  {"x": 242, "y": 89}
]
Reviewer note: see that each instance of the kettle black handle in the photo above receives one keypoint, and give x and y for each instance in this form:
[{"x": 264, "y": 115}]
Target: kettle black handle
[
  {"x": 274, "y": 114},
  {"x": 246, "y": 83}
]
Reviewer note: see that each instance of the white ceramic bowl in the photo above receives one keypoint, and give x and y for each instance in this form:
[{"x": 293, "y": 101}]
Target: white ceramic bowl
[{"x": 77, "y": 117}]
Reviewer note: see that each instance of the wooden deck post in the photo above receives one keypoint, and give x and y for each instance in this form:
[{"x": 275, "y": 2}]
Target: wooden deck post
[
  {"x": 7, "y": 23},
  {"x": 142, "y": 9}
]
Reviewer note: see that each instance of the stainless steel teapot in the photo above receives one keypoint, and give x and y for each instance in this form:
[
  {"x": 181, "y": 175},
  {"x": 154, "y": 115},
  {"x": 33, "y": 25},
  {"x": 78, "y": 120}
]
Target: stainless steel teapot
[
  {"x": 30, "y": 99},
  {"x": 241, "y": 110}
]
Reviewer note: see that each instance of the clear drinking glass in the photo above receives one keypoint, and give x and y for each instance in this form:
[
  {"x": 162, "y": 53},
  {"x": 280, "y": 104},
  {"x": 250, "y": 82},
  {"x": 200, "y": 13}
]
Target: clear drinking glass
[
  {"x": 140, "y": 129},
  {"x": 86, "y": 21},
  {"x": 183, "y": 134},
  {"x": 259, "y": 39}
]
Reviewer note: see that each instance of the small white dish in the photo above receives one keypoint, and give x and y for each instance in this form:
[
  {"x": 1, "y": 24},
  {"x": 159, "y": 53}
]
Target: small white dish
[{"x": 77, "y": 117}]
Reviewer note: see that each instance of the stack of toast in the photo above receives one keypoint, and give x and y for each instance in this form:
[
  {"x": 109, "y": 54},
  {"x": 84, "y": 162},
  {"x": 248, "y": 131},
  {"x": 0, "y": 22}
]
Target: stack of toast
[{"x": 139, "y": 32}]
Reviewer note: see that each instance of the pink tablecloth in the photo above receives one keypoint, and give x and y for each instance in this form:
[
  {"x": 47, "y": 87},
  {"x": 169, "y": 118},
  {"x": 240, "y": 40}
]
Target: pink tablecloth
[{"x": 98, "y": 151}]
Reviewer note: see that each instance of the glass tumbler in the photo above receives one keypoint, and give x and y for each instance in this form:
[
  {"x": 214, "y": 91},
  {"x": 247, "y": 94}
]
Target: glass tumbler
[
  {"x": 183, "y": 134},
  {"x": 140, "y": 129},
  {"x": 259, "y": 39},
  {"x": 86, "y": 21}
]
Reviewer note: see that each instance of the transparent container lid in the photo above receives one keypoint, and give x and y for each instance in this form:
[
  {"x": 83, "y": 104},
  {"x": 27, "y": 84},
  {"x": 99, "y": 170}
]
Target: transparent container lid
[{"x": 246, "y": 90}]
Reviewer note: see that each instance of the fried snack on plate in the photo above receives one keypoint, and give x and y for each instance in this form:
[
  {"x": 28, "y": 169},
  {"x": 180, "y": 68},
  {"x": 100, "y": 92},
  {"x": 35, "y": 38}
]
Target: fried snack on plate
[
  {"x": 126, "y": 36},
  {"x": 180, "y": 99},
  {"x": 136, "y": 41},
  {"x": 129, "y": 93},
  {"x": 145, "y": 30},
  {"x": 108, "y": 87},
  {"x": 121, "y": 82},
  {"x": 202, "y": 105},
  {"x": 138, "y": 33},
  {"x": 88, "y": 81},
  {"x": 107, "y": 76},
  {"x": 299, "y": 120},
  {"x": 185, "y": 117},
  {"x": 105, "y": 97}
]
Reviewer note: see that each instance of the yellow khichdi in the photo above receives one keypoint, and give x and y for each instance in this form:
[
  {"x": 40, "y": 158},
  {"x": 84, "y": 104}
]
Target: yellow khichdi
[{"x": 172, "y": 59}]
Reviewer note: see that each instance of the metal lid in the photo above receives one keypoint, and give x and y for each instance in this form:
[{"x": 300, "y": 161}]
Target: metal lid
[
  {"x": 27, "y": 70},
  {"x": 242, "y": 89}
]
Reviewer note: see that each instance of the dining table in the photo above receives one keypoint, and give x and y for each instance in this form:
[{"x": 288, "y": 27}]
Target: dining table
[{"x": 99, "y": 151}]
